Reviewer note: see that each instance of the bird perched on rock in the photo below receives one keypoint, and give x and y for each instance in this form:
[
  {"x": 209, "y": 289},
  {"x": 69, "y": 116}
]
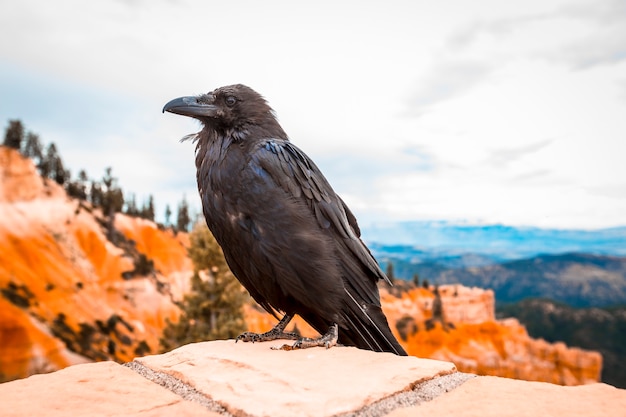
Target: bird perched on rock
[{"x": 287, "y": 236}]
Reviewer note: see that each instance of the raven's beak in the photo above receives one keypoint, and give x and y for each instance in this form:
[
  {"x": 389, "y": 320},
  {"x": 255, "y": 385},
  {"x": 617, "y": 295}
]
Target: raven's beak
[{"x": 190, "y": 106}]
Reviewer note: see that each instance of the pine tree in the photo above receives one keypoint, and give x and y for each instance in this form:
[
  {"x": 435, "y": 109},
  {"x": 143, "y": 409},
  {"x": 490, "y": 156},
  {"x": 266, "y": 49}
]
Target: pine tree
[
  {"x": 183, "y": 219},
  {"x": 82, "y": 184},
  {"x": 14, "y": 135},
  {"x": 96, "y": 194},
  {"x": 116, "y": 199},
  {"x": 60, "y": 175},
  {"x": 213, "y": 308},
  {"x": 416, "y": 280},
  {"x": 47, "y": 163},
  {"x": 389, "y": 271},
  {"x": 33, "y": 148},
  {"x": 131, "y": 206},
  {"x": 168, "y": 215},
  {"x": 112, "y": 196},
  {"x": 51, "y": 165},
  {"x": 147, "y": 212}
]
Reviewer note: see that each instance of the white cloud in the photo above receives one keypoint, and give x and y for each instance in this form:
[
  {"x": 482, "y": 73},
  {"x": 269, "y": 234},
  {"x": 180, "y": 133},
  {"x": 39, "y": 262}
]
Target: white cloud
[
  {"x": 520, "y": 105},
  {"x": 445, "y": 81},
  {"x": 505, "y": 156}
]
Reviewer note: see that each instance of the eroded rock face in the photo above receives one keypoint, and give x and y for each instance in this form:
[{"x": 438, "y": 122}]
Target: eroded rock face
[
  {"x": 28, "y": 347},
  {"x": 468, "y": 334},
  {"x": 66, "y": 283},
  {"x": 19, "y": 180},
  {"x": 460, "y": 304}
]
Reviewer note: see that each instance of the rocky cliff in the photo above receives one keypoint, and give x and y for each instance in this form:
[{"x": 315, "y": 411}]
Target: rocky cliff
[
  {"x": 71, "y": 284},
  {"x": 466, "y": 332},
  {"x": 65, "y": 284}
]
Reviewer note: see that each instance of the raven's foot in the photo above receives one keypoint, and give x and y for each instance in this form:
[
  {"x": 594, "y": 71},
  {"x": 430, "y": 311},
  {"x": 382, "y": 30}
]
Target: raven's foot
[
  {"x": 278, "y": 332},
  {"x": 327, "y": 341},
  {"x": 267, "y": 336}
]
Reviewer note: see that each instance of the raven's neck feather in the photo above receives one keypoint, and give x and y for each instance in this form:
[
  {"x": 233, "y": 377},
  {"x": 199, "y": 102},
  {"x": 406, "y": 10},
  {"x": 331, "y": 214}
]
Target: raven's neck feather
[{"x": 246, "y": 131}]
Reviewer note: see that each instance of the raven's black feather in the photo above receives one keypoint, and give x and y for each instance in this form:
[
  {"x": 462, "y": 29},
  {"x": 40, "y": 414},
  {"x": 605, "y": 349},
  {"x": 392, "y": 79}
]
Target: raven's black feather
[{"x": 286, "y": 235}]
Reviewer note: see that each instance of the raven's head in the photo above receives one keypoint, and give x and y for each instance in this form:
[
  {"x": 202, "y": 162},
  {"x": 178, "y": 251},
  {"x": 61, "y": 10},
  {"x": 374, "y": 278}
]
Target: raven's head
[{"x": 234, "y": 110}]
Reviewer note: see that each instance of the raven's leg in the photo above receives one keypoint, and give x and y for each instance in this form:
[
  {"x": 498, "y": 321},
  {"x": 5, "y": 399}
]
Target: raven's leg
[
  {"x": 278, "y": 332},
  {"x": 327, "y": 341}
]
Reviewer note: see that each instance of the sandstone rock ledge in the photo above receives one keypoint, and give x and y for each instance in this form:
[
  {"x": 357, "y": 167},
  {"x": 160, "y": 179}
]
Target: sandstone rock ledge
[{"x": 223, "y": 378}]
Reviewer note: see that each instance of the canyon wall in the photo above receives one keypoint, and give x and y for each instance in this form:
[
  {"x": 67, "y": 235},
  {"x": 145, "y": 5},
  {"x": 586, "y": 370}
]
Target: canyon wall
[{"x": 65, "y": 284}]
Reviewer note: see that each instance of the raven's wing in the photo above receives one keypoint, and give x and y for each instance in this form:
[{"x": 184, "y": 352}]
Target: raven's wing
[{"x": 298, "y": 175}]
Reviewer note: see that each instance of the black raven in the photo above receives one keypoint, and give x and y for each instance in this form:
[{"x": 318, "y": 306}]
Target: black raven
[{"x": 286, "y": 235}]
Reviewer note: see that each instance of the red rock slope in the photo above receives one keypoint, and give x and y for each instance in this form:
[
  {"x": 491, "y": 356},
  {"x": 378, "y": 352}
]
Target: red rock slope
[
  {"x": 64, "y": 277},
  {"x": 470, "y": 336}
]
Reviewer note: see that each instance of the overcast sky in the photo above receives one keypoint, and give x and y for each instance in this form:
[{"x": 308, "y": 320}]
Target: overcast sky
[{"x": 482, "y": 111}]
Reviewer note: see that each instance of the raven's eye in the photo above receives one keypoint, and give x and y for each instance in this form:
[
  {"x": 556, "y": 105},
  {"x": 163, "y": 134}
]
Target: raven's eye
[{"x": 230, "y": 101}]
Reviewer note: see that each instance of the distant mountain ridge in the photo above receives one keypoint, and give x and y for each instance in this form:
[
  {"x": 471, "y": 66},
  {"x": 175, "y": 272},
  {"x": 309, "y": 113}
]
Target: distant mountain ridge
[
  {"x": 578, "y": 280},
  {"x": 498, "y": 242},
  {"x": 580, "y": 268}
]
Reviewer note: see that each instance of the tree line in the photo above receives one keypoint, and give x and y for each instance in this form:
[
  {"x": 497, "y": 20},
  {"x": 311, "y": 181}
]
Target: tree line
[{"x": 104, "y": 193}]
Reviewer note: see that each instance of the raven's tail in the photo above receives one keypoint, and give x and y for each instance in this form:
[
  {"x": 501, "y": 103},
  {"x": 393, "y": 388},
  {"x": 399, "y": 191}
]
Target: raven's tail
[{"x": 366, "y": 327}]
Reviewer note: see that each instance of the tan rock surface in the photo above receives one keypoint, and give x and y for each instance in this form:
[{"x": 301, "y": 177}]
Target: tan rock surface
[
  {"x": 493, "y": 396},
  {"x": 98, "y": 389},
  {"x": 19, "y": 180},
  {"x": 253, "y": 379},
  {"x": 222, "y": 378}
]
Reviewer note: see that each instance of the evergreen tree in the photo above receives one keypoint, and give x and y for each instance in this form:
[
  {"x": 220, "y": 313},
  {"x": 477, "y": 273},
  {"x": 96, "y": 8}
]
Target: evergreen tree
[
  {"x": 51, "y": 166},
  {"x": 213, "y": 308},
  {"x": 147, "y": 212},
  {"x": 45, "y": 167},
  {"x": 112, "y": 196},
  {"x": 116, "y": 200},
  {"x": 48, "y": 166},
  {"x": 183, "y": 219},
  {"x": 74, "y": 190},
  {"x": 33, "y": 148},
  {"x": 389, "y": 271},
  {"x": 416, "y": 280},
  {"x": 14, "y": 135},
  {"x": 131, "y": 206},
  {"x": 168, "y": 215},
  {"x": 60, "y": 175},
  {"x": 95, "y": 194},
  {"x": 81, "y": 185}
]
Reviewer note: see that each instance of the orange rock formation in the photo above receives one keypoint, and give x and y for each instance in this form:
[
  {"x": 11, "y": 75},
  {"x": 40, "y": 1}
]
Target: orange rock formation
[
  {"x": 469, "y": 336},
  {"x": 62, "y": 279}
]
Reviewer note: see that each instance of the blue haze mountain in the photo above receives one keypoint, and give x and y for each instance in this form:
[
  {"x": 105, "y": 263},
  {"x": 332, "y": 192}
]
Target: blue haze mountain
[
  {"x": 577, "y": 267},
  {"x": 495, "y": 241}
]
